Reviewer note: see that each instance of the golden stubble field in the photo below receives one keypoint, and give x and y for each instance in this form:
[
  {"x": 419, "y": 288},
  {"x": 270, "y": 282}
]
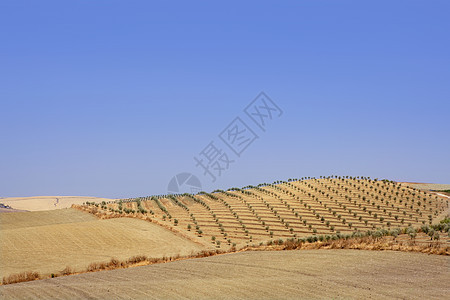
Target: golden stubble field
[
  {"x": 49, "y": 241},
  {"x": 306, "y": 274}
]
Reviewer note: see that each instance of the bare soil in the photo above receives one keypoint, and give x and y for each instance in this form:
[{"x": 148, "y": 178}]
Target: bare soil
[
  {"x": 427, "y": 186},
  {"x": 304, "y": 274},
  {"x": 40, "y": 203}
]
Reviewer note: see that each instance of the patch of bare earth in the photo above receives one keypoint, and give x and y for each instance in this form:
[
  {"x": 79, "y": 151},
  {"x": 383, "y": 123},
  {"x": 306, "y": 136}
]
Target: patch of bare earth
[
  {"x": 40, "y": 203},
  {"x": 427, "y": 186},
  {"x": 310, "y": 274}
]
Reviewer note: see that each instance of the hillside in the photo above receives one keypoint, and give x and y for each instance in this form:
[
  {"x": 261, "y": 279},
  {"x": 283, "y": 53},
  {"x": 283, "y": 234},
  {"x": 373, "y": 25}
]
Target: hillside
[
  {"x": 48, "y": 241},
  {"x": 41, "y": 203},
  {"x": 288, "y": 209}
]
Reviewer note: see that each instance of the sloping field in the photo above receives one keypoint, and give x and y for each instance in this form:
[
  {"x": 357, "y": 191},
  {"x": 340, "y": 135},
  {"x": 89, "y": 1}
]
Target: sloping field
[
  {"x": 46, "y": 202},
  {"x": 35, "y": 219},
  {"x": 429, "y": 186},
  {"x": 288, "y": 209},
  {"x": 8, "y": 210},
  {"x": 49, "y": 241},
  {"x": 306, "y": 274}
]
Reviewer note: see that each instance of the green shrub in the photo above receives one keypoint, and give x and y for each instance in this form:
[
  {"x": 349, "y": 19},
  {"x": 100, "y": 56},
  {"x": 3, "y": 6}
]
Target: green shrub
[{"x": 436, "y": 236}]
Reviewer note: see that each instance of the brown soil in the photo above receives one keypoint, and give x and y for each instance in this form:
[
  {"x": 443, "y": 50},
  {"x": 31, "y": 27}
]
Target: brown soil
[{"x": 311, "y": 274}]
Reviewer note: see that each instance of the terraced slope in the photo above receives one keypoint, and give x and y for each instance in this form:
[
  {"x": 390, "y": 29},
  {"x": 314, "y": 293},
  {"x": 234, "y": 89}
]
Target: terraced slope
[
  {"x": 306, "y": 274},
  {"x": 294, "y": 208}
]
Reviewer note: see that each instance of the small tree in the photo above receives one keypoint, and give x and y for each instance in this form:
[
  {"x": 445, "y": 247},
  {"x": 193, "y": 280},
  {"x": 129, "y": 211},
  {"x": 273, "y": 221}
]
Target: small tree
[
  {"x": 436, "y": 236},
  {"x": 411, "y": 232}
]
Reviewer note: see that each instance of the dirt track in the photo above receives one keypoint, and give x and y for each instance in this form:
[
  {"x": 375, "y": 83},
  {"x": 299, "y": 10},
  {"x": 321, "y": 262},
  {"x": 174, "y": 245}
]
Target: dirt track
[{"x": 308, "y": 274}]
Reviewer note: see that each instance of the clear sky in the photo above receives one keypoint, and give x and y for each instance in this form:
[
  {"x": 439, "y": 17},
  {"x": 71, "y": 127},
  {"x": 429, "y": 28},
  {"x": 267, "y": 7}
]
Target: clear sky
[{"x": 114, "y": 98}]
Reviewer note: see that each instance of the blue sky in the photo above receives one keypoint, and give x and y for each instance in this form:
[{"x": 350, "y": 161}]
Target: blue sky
[{"x": 114, "y": 98}]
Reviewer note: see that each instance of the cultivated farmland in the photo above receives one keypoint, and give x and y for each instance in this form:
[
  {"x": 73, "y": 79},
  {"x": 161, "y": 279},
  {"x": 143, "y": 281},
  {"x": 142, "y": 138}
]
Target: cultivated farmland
[
  {"x": 284, "y": 209},
  {"x": 364, "y": 213},
  {"x": 49, "y": 241},
  {"x": 310, "y": 274}
]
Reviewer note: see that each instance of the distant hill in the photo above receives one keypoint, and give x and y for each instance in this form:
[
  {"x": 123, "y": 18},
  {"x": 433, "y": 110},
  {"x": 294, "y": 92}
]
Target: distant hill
[{"x": 40, "y": 203}]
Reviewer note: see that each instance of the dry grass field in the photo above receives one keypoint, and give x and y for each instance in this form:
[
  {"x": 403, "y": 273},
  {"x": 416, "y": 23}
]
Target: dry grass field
[
  {"x": 306, "y": 274},
  {"x": 46, "y": 202},
  {"x": 49, "y": 241}
]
